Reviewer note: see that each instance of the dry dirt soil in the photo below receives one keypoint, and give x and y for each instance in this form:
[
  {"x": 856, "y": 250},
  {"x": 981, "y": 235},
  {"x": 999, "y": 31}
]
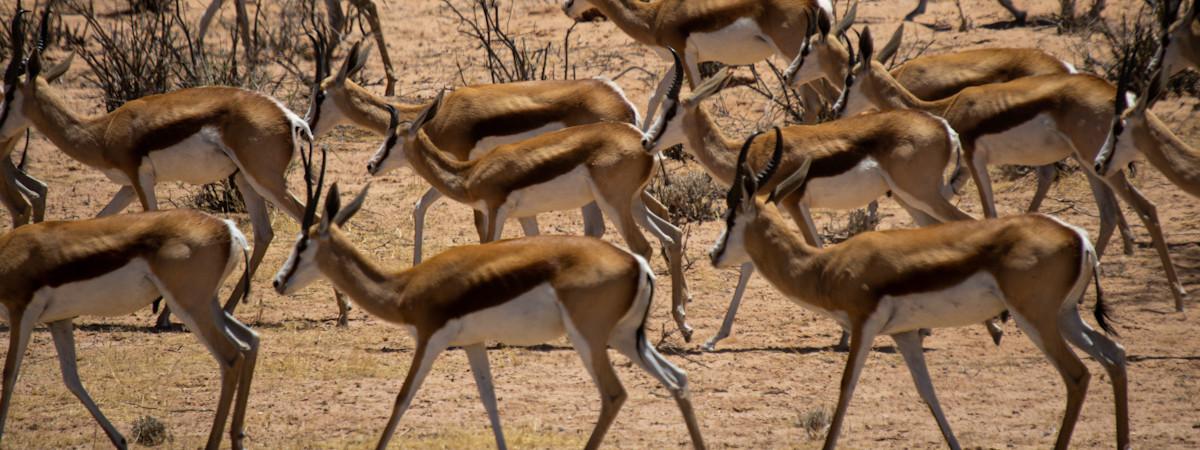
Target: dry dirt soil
[{"x": 318, "y": 386}]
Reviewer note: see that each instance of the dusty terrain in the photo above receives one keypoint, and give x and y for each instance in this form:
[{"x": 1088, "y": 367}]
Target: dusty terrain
[{"x": 318, "y": 386}]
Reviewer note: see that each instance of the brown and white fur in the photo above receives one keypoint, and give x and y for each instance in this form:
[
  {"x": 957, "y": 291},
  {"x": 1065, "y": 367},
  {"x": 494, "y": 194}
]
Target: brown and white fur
[
  {"x": 732, "y": 32},
  {"x": 198, "y": 136},
  {"x": 947, "y": 275},
  {"x": 23, "y": 195},
  {"x": 565, "y": 169},
  {"x": 519, "y": 292},
  {"x": 857, "y": 160},
  {"x": 53, "y": 272},
  {"x": 474, "y": 120},
  {"x": 1029, "y": 121}
]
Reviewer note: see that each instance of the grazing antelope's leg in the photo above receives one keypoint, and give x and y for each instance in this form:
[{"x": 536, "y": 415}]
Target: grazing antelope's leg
[
  {"x": 1017, "y": 14},
  {"x": 909, "y": 344},
  {"x": 206, "y": 19},
  {"x": 977, "y": 164},
  {"x": 920, "y": 218},
  {"x": 672, "y": 240},
  {"x": 803, "y": 218},
  {"x": 428, "y": 348},
  {"x": 495, "y": 219},
  {"x": 860, "y": 346},
  {"x": 248, "y": 337},
  {"x": 1109, "y": 354},
  {"x": 64, "y": 342},
  {"x": 1149, "y": 215},
  {"x": 428, "y": 199},
  {"x": 477, "y": 356},
  {"x": 260, "y": 219},
  {"x": 119, "y": 202},
  {"x": 926, "y": 196},
  {"x": 1110, "y": 213},
  {"x": 20, "y": 325},
  {"x": 1046, "y": 175},
  {"x": 1049, "y": 339},
  {"x": 593, "y": 220},
  {"x": 727, "y": 324},
  {"x": 35, "y": 190},
  {"x": 243, "y": 20},
  {"x": 529, "y": 225}
]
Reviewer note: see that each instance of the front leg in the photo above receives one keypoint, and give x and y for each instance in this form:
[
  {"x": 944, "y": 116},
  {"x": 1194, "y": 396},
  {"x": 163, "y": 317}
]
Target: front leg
[
  {"x": 735, "y": 303},
  {"x": 64, "y": 341},
  {"x": 20, "y": 326},
  {"x": 427, "y": 351},
  {"x": 909, "y": 344},
  {"x": 860, "y": 347},
  {"x": 430, "y": 197},
  {"x": 144, "y": 188},
  {"x": 119, "y": 202},
  {"x": 477, "y": 356}
]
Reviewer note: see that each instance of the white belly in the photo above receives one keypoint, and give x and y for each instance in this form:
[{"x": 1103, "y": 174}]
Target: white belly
[
  {"x": 568, "y": 191},
  {"x": 849, "y": 190},
  {"x": 976, "y": 299},
  {"x": 199, "y": 159},
  {"x": 120, "y": 292},
  {"x": 487, "y": 144},
  {"x": 531, "y": 318},
  {"x": 739, "y": 43},
  {"x": 1034, "y": 143}
]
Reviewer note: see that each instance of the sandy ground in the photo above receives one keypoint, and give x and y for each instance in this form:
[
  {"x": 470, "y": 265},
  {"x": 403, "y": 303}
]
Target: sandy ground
[{"x": 318, "y": 386}]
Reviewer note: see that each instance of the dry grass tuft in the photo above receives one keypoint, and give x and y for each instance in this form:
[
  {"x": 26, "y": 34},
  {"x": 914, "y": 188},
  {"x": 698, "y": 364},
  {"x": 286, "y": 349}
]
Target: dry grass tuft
[{"x": 149, "y": 432}]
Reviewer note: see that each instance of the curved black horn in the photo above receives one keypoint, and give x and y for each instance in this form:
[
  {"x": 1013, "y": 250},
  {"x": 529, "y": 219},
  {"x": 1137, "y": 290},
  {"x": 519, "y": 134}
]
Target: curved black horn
[
  {"x": 44, "y": 27},
  {"x": 17, "y": 39},
  {"x": 735, "y": 188},
  {"x": 677, "y": 82},
  {"x": 768, "y": 171}
]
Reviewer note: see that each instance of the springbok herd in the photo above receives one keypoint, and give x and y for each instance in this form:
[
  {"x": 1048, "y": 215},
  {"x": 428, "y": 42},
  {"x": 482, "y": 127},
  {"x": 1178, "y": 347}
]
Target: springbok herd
[{"x": 520, "y": 149}]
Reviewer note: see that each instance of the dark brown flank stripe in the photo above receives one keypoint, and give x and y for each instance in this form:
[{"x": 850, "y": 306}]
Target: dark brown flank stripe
[
  {"x": 717, "y": 19},
  {"x": 516, "y": 122},
  {"x": 481, "y": 294},
  {"x": 175, "y": 132},
  {"x": 550, "y": 168},
  {"x": 840, "y": 162},
  {"x": 998, "y": 123}
]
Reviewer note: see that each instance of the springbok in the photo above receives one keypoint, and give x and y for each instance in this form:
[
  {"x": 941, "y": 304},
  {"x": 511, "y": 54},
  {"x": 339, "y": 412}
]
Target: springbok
[
  {"x": 197, "y": 135},
  {"x": 564, "y": 169},
  {"x": 1028, "y": 121},
  {"x": 473, "y": 121},
  {"x": 857, "y": 160},
  {"x": 53, "y": 272},
  {"x": 520, "y": 292},
  {"x": 948, "y": 275},
  {"x": 23, "y": 195}
]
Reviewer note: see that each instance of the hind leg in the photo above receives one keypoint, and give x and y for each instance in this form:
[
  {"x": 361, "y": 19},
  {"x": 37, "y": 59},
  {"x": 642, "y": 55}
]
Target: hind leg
[
  {"x": 477, "y": 356},
  {"x": 909, "y": 345},
  {"x": 260, "y": 218},
  {"x": 593, "y": 220},
  {"x": 592, "y": 349},
  {"x": 1109, "y": 354},
  {"x": 1149, "y": 215},
  {"x": 642, "y": 353},
  {"x": 427, "y": 351},
  {"x": 248, "y": 339},
  {"x": 1048, "y": 338},
  {"x": 672, "y": 239},
  {"x": 734, "y": 303}
]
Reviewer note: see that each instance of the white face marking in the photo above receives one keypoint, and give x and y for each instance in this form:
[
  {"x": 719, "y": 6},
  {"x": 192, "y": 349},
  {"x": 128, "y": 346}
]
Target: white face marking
[
  {"x": 739, "y": 43},
  {"x": 976, "y": 299},
  {"x": 331, "y": 115},
  {"x": 672, "y": 131},
  {"x": 730, "y": 248},
  {"x": 530, "y": 318},
  {"x": 567, "y": 191},
  {"x": 857, "y": 101},
  {"x": 575, "y": 8},
  {"x": 851, "y": 189},
  {"x": 200, "y": 158},
  {"x": 1036, "y": 142},
  {"x": 300, "y": 269},
  {"x": 124, "y": 290},
  {"x": 386, "y": 160},
  {"x": 489, "y": 143}
]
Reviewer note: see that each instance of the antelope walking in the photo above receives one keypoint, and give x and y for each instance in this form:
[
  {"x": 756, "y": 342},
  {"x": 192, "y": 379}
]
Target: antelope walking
[
  {"x": 520, "y": 292},
  {"x": 857, "y": 160},
  {"x": 473, "y": 121},
  {"x": 1028, "y": 121},
  {"x": 1181, "y": 48},
  {"x": 600, "y": 162},
  {"x": 948, "y": 275},
  {"x": 197, "y": 135},
  {"x": 53, "y": 272}
]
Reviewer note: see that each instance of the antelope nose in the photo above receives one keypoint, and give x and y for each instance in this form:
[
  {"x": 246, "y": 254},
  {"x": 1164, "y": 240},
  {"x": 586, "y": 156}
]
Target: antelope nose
[
  {"x": 275, "y": 284},
  {"x": 1100, "y": 168},
  {"x": 371, "y": 167},
  {"x": 646, "y": 143}
]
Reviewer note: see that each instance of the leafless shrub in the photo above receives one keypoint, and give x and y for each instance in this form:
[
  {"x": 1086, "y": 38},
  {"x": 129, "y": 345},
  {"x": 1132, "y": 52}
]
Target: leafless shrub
[
  {"x": 857, "y": 222},
  {"x": 690, "y": 197},
  {"x": 814, "y": 422},
  {"x": 1135, "y": 36},
  {"x": 510, "y": 58},
  {"x": 221, "y": 197},
  {"x": 149, "y": 432}
]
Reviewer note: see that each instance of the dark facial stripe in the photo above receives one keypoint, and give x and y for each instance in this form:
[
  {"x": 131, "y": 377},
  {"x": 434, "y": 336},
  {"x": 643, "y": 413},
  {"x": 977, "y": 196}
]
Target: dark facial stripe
[{"x": 10, "y": 91}]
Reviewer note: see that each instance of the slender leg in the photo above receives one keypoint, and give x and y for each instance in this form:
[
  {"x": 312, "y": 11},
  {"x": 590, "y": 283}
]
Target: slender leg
[
  {"x": 804, "y": 221},
  {"x": 1046, "y": 175},
  {"x": 593, "y": 220},
  {"x": 260, "y": 219},
  {"x": 119, "y": 202},
  {"x": 727, "y": 324},
  {"x": 1149, "y": 215},
  {"x": 250, "y": 340},
  {"x": 206, "y": 19},
  {"x": 428, "y": 199},
  {"x": 1110, "y": 355},
  {"x": 670, "y": 376},
  {"x": 1046, "y": 335},
  {"x": 1017, "y": 14},
  {"x": 983, "y": 181},
  {"x": 243, "y": 19},
  {"x": 1110, "y": 214},
  {"x": 612, "y": 394},
  {"x": 860, "y": 347},
  {"x": 909, "y": 345},
  {"x": 20, "y": 326},
  {"x": 920, "y": 9},
  {"x": 477, "y": 356},
  {"x": 529, "y": 225},
  {"x": 144, "y": 188},
  {"x": 368, "y": 7},
  {"x": 64, "y": 342},
  {"x": 426, "y": 352},
  {"x": 671, "y": 238}
]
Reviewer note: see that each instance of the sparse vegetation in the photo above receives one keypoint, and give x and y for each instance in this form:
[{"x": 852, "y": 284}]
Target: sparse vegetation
[
  {"x": 814, "y": 422},
  {"x": 691, "y": 196},
  {"x": 148, "y": 431}
]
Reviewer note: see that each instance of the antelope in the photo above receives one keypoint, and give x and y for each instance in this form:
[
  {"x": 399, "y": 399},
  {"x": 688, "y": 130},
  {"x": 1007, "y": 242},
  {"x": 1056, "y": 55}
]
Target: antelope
[
  {"x": 23, "y": 195},
  {"x": 599, "y": 162},
  {"x": 1184, "y": 37},
  {"x": 53, "y": 272},
  {"x": 1030, "y": 121},
  {"x": 474, "y": 120},
  {"x": 936, "y": 77},
  {"x": 520, "y": 292},
  {"x": 732, "y": 32},
  {"x": 953, "y": 274},
  {"x": 857, "y": 160},
  {"x": 196, "y": 135}
]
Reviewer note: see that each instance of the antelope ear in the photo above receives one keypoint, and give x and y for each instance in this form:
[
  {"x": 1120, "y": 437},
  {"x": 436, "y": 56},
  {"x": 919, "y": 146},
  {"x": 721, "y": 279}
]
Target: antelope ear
[
  {"x": 749, "y": 187},
  {"x": 893, "y": 44},
  {"x": 59, "y": 69},
  {"x": 823, "y": 24},
  {"x": 333, "y": 203},
  {"x": 346, "y": 213},
  {"x": 355, "y": 61},
  {"x": 793, "y": 182},
  {"x": 866, "y": 45},
  {"x": 847, "y": 19},
  {"x": 427, "y": 115}
]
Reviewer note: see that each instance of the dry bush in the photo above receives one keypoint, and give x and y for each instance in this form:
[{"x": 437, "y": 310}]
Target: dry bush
[
  {"x": 509, "y": 57},
  {"x": 814, "y": 422},
  {"x": 690, "y": 197},
  {"x": 149, "y": 432}
]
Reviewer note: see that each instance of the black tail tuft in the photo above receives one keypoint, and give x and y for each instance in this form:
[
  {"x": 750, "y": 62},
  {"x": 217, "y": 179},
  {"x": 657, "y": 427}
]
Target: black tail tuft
[{"x": 1101, "y": 311}]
